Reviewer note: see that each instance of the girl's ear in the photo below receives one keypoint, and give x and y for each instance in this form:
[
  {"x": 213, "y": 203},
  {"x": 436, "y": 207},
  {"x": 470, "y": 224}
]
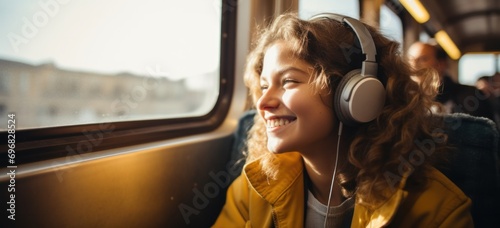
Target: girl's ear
[{"x": 326, "y": 95}]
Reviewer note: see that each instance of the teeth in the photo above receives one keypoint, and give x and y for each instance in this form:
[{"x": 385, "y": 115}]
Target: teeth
[{"x": 277, "y": 122}]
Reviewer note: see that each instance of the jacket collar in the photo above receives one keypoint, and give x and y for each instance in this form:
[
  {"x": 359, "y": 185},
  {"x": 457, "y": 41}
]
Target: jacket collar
[
  {"x": 290, "y": 171},
  {"x": 383, "y": 214}
]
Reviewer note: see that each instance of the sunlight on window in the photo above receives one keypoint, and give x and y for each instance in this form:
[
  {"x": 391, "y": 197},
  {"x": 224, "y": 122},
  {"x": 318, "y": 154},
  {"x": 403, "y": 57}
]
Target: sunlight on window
[
  {"x": 390, "y": 24},
  {"x": 75, "y": 62},
  {"x": 473, "y": 66},
  {"x": 424, "y": 37}
]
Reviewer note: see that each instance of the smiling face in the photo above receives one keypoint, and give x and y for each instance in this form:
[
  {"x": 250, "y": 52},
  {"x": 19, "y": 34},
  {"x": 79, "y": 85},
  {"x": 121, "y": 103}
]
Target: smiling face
[{"x": 297, "y": 117}]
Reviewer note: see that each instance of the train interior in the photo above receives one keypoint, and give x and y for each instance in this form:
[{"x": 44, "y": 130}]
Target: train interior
[{"x": 176, "y": 176}]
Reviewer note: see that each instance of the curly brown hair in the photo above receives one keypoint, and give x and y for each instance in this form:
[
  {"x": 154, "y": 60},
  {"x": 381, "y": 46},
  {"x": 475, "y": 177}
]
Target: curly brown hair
[{"x": 378, "y": 148}]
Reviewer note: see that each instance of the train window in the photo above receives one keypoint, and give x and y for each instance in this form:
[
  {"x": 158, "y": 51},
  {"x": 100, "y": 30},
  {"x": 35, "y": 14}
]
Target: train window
[
  {"x": 424, "y": 37},
  {"x": 473, "y": 66},
  {"x": 390, "y": 24},
  {"x": 309, "y": 8},
  {"x": 81, "y": 62}
]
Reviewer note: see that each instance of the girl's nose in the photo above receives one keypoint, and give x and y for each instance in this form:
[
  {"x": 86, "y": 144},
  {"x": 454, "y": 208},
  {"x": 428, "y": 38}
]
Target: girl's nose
[{"x": 269, "y": 100}]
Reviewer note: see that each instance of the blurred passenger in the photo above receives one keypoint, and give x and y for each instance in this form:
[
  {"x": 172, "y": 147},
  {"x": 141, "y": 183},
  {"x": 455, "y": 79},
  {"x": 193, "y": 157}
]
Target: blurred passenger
[
  {"x": 455, "y": 97},
  {"x": 490, "y": 86},
  {"x": 483, "y": 84},
  {"x": 298, "y": 76}
]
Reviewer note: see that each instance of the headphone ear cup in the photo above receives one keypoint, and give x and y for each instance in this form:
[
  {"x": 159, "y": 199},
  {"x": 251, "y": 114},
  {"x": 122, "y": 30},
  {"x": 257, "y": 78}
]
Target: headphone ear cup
[
  {"x": 340, "y": 107},
  {"x": 358, "y": 98}
]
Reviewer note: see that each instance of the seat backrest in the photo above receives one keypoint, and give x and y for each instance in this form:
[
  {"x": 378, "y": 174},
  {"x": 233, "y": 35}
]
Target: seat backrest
[
  {"x": 240, "y": 140},
  {"x": 473, "y": 164}
]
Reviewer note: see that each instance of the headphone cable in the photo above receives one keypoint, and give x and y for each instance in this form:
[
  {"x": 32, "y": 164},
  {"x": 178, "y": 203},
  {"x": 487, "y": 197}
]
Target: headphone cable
[{"x": 334, "y": 173}]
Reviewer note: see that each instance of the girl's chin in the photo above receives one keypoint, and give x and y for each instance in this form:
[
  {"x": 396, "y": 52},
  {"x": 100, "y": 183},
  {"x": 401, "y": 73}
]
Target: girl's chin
[
  {"x": 276, "y": 150},
  {"x": 278, "y": 145}
]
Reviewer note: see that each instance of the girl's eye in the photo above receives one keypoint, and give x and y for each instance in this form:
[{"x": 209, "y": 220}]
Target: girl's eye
[
  {"x": 289, "y": 81},
  {"x": 263, "y": 87}
]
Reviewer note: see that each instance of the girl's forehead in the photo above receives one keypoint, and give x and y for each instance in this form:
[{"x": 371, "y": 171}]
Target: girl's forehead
[{"x": 279, "y": 57}]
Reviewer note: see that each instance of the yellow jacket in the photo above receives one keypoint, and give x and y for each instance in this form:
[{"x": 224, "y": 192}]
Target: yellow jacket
[{"x": 254, "y": 201}]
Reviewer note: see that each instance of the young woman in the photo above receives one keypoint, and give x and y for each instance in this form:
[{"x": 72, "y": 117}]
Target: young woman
[{"x": 342, "y": 130}]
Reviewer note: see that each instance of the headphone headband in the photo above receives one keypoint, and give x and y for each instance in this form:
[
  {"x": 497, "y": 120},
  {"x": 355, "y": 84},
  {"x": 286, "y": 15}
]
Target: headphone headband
[
  {"x": 359, "y": 96},
  {"x": 369, "y": 65}
]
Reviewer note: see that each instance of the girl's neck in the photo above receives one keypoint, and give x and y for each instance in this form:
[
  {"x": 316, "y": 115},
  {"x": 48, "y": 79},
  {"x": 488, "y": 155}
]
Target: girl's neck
[
  {"x": 319, "y": 160},
  {"x": 320, "y": 170}
]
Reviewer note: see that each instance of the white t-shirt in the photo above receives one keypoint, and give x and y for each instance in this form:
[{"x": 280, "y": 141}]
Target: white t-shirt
[{"x": 316, "y": 211}]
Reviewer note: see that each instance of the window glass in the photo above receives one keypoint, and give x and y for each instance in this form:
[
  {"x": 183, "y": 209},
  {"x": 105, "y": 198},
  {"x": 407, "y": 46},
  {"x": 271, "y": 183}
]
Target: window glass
[
  {"x": 390, "y": 24},
  {"x": 498, "y": 63},
  {"x": 424, "y": 37},
  {"x": 75, "y": 62},
  {"x": 312, "y": 7},
  {"x": 473, "y": 66}
]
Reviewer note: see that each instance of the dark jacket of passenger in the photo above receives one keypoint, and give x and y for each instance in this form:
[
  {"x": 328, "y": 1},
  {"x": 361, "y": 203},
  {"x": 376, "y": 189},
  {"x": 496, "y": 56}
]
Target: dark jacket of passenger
[{"x": 463, "y": 99}]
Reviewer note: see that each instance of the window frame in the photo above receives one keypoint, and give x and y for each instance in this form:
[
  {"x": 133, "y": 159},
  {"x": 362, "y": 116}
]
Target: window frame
[{"x": 38, "y": 144}]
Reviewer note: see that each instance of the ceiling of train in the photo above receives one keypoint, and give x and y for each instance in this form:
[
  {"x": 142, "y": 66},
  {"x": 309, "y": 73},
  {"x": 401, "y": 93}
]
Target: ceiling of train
[{"x": 473, "y": 25}]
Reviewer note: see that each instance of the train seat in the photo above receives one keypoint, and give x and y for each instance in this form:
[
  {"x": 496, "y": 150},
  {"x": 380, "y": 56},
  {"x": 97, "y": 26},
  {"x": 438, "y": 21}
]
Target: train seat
[{"x": 473, "y": 164}]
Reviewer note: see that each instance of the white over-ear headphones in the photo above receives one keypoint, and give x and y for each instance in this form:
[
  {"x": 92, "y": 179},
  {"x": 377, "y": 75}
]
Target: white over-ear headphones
[{"x": 360, "y": 96}]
